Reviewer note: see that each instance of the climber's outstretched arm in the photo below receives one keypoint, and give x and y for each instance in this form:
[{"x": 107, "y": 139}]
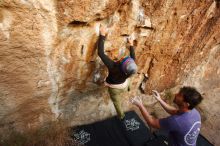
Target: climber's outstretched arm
[
  {"x": 131, "y": 49},
  {"x": 106, "y": 60}
]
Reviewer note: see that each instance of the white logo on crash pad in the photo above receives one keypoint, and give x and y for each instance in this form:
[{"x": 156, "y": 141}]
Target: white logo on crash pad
[
  {"x": 82, "y": 137},
  {"x": 132, "y": 124},
  {"x": 191, "y": 136}
]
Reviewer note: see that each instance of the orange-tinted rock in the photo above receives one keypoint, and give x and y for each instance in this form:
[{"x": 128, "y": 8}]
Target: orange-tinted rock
[{"x": 49, "y": 66}]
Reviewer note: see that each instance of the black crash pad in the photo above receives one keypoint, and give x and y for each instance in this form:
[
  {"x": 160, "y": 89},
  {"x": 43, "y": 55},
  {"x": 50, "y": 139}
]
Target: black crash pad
[
  {"x": 128, "y": 132},
  {"x": 114, "y": 132}
]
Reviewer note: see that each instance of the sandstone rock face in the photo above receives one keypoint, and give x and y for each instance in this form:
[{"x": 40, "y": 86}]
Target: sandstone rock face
[
  {"x": 27, "y": 34},
  {"x": 50, "y": 70}
]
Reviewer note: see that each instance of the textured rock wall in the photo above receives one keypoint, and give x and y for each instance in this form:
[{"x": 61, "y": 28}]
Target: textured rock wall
[
  {"x": 50, "y": 70},
  {"x": 28, "y": 30}
]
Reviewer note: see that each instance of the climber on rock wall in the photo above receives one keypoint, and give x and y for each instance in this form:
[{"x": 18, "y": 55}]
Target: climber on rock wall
[
  {"x": 118, "y": 71},
  {"x": 185, "y": 121}
]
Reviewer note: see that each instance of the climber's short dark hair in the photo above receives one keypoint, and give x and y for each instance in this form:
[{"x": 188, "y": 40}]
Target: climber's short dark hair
[{"x": 191, "y": 96}]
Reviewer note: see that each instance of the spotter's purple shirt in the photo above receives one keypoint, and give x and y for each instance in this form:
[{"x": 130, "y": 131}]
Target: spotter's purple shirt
[{"x": 183, "y": 128}]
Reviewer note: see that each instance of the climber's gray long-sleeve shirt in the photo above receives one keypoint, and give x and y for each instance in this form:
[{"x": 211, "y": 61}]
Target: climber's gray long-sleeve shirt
[{"x": 116, "y": 75}]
